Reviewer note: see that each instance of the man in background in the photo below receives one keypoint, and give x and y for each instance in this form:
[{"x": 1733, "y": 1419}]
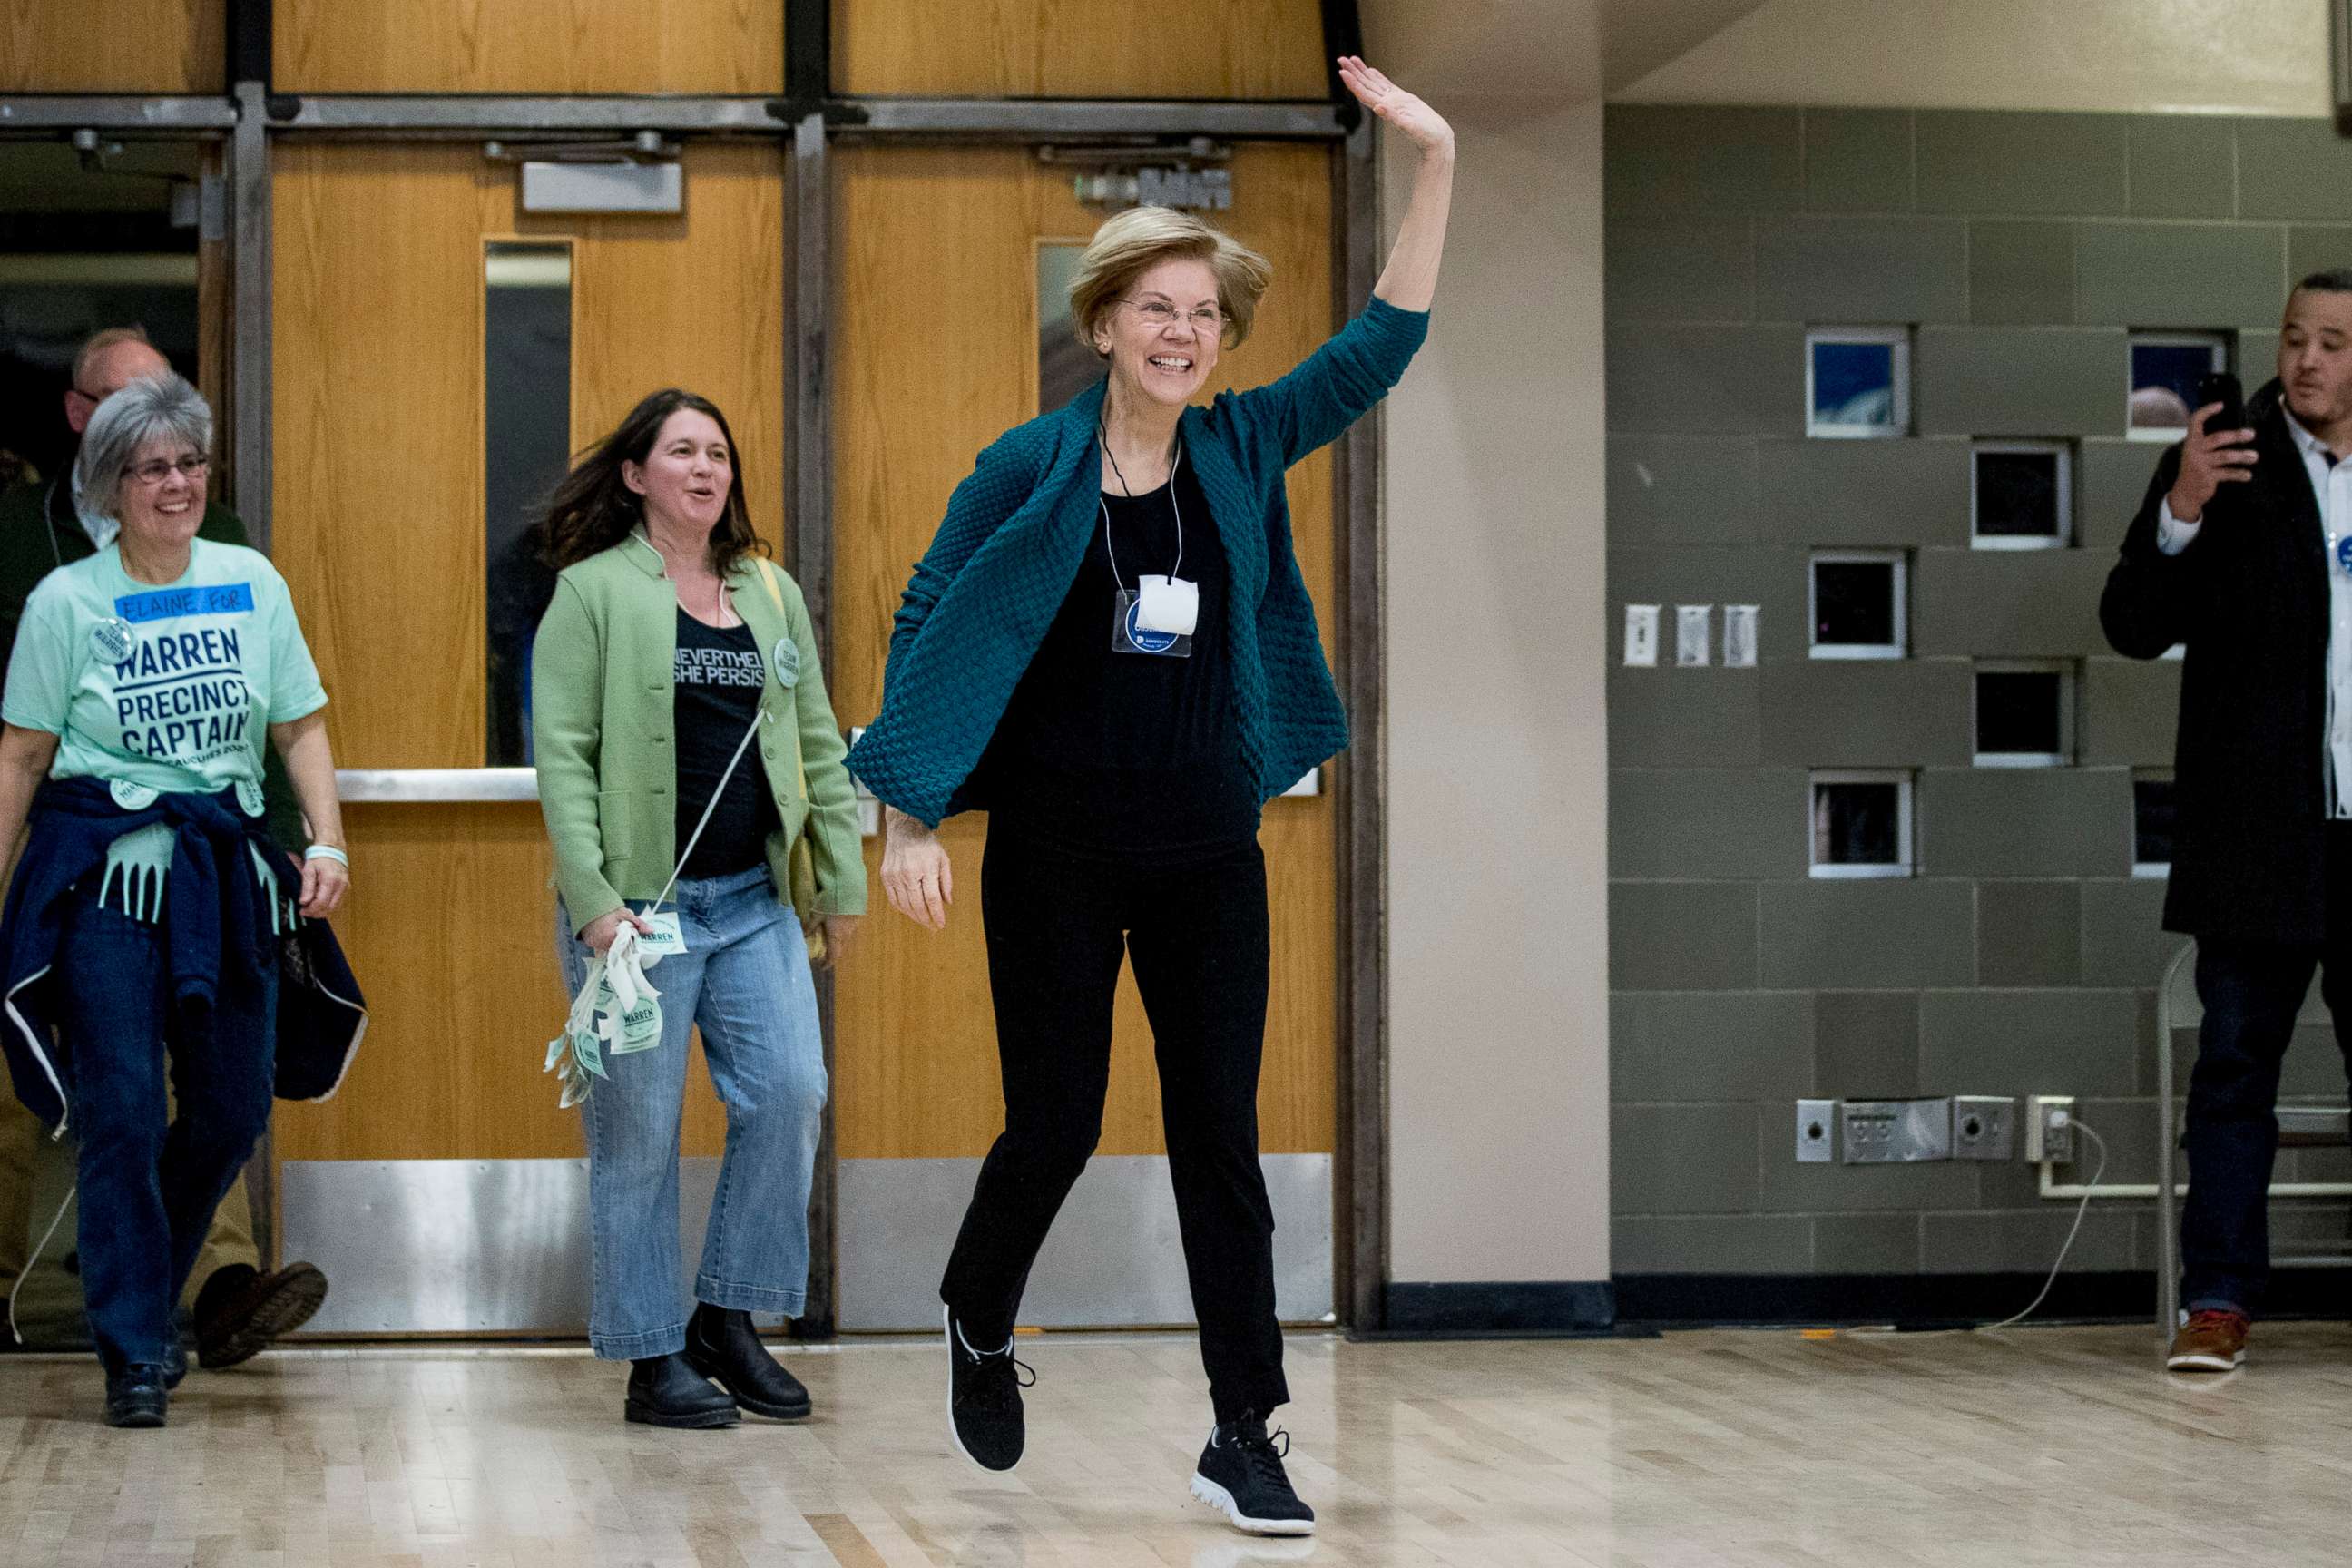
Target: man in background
[
  {"x": 237, "y": 1308},
  {"x": 2242, "y": 552}
]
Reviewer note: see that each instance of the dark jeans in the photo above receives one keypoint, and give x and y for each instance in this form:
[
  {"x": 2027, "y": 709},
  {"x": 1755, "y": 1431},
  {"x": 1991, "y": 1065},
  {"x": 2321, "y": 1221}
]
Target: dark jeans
[
  {"x": 148, "y": 1190},
  {"x": 2251, "y": 993},
  {"x": 1057, "y": 926}
]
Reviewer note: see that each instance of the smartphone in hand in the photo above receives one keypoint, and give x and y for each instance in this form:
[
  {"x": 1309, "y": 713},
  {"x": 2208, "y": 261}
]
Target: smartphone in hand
[{"x": 2220, "y": 386}]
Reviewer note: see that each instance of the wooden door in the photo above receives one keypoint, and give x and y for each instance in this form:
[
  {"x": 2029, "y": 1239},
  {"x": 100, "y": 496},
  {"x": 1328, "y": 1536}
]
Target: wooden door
[
  {"x": 379, "y": 525},
  {"x": 936, "y": 352}
]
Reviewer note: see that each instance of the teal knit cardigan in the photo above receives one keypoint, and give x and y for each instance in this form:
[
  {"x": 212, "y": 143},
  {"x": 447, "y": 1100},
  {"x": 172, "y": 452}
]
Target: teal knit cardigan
[{"x": 1017, "y": 529}]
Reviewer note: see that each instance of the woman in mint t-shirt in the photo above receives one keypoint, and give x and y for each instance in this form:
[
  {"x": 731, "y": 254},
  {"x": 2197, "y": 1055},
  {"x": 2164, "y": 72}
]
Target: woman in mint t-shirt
[{"x": 154, "y": 668}]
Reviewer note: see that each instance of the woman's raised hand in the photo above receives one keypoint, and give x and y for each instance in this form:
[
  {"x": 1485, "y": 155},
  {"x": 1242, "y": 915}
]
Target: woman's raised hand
[
  {"x": 1422, "y": 125},
  {"x": 915, "y": 871}
]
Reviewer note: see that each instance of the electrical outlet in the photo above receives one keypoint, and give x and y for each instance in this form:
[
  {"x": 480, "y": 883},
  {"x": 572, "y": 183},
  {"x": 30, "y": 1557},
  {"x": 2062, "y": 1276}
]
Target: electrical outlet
[
  {"x": 1896, "y": 1132},
  {"x": 2050, "y": 1128},
  {"x": 1816, "y": 1123},
  {"x": 1984, "y": 1126}
]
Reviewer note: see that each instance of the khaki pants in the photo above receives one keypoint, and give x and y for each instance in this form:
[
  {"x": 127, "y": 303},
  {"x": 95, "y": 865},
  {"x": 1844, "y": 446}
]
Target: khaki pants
[{"x": 25, "y": 1143}]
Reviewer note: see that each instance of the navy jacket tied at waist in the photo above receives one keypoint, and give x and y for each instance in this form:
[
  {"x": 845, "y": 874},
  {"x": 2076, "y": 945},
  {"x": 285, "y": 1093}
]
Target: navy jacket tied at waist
[{"x": 214, "y": 928}]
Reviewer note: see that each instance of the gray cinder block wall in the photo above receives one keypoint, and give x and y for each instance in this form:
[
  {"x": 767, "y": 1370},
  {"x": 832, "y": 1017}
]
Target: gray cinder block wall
[{"x": 2021, "y": 956}]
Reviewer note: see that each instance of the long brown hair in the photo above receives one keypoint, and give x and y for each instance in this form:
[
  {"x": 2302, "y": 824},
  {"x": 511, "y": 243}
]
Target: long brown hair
[{"x": 592, "y": 510}]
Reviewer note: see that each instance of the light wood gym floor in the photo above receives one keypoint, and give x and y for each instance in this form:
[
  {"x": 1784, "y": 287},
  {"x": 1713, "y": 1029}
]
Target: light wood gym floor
[{"x": 2037, "y": 1447}]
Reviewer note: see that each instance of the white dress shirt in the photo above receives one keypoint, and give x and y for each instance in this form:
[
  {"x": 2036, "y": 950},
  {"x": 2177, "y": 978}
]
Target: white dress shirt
[{"x": 2331, "y": 486}]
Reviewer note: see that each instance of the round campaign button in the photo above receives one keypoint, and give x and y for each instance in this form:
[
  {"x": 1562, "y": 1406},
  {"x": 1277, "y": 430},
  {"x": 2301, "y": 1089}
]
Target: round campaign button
[
  {"x": 249, "y": 795},
  {"x": 2344, "y": 552},
  {"x": 131, "y": 796},
  {"x": 786, "y": 662},
  {"x": 112, "y": 640},
  {"x": 641, "y": 1025}
]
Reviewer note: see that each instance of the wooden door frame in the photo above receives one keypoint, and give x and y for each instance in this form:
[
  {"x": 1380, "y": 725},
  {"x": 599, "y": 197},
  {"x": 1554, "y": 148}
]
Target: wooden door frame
[{"x": 255, "y": 118}]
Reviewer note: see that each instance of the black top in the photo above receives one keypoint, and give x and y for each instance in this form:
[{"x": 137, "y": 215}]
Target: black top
[
  {"x": 718, "y": 674},
  {"x": 1120, "y": 753}
]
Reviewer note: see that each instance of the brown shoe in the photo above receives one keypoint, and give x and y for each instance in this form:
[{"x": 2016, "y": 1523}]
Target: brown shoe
[
  {"x": 2209, "y": 1341},
  {"x": 236, "y": 1321}
]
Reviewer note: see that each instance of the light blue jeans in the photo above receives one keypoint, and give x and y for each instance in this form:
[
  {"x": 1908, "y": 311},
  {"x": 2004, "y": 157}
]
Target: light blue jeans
[{"x": 744, "y": 979}]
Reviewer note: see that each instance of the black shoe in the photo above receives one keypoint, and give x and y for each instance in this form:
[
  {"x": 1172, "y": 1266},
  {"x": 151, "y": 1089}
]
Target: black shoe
[
  {"x": 136, "y": 1395},
  {"x": 240, "y": 1311},
  {"x": 176, "y": 1360},
  {"x": 984, "y": 1400},
  {"x": 1240, "y": 1475},
  {"x": 721, "y": 1344},
  {"x": 664, "y": 1391}
]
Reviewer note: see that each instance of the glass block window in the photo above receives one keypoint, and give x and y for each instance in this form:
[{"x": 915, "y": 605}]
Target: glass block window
[
  {"x": 2152, "y": 825},
  {"x": 2164, "y": 370},
  {"x": 1857, "y": 604},
  {"x": 1861, "y": 825},
  {"x": 2021, "y": 495},
  {"x": 1858, "y": 382},
  {"x": 2024, "y": 715}
]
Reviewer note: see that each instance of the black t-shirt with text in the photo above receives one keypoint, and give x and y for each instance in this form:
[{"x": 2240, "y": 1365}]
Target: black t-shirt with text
[{"x": 717, "y": 677}]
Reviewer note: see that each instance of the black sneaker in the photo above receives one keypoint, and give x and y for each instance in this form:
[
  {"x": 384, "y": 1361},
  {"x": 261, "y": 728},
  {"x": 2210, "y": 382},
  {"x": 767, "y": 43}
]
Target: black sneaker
[
  {"x": 984, "y": 1400},
  {"x": 136, "y": 1395},
  {"x": 1240, "y": 1475}
]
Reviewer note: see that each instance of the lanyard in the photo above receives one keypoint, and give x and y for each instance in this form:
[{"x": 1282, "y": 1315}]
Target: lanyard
[
  {"x": 759, "y": 717},
  {"x": 1175, "y": 461}
]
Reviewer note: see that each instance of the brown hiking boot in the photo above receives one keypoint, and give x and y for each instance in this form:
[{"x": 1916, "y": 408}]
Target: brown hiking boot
[
  {"x": 2209, "y": 1341},
  {"x": 240, "y": 1311}
]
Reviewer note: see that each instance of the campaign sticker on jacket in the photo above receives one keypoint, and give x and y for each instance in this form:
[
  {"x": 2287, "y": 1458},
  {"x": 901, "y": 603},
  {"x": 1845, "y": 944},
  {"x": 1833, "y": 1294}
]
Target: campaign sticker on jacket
[{"x": 170, "y": 687}]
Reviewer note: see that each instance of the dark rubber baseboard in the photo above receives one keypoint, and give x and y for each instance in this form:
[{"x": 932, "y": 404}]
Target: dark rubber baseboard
[
  {"x": 1937, "y": 1300},
  {"x": 1451, "y": 1310}
]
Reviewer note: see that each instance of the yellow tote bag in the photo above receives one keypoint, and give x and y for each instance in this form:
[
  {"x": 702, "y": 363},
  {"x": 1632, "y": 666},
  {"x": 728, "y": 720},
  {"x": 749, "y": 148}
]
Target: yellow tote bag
[{"x": 799, "y": 861}]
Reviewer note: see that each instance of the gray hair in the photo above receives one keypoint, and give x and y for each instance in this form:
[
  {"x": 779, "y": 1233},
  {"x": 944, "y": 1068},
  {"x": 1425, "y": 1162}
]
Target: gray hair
[{"x": 161, "y": 406}]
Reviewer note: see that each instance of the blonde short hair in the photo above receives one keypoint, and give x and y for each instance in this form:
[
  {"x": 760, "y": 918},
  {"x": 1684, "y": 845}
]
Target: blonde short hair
[{"x": 1131, "y": 243}]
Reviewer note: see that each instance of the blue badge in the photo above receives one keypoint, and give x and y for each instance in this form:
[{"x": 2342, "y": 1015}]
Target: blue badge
[
  {"x": 1141, "y": 638},
  {"x": 162, "y": 604},
  {"x": 2344, "y": 552}
]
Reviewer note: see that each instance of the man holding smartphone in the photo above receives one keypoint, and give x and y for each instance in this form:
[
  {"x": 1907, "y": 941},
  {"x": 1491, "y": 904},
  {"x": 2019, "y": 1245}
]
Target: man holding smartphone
[{"x": 2242, "y": 552}]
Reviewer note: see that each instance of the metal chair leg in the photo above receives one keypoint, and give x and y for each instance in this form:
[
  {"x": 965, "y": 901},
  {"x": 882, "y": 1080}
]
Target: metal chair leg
[{"x": 2168, "y": 1141}]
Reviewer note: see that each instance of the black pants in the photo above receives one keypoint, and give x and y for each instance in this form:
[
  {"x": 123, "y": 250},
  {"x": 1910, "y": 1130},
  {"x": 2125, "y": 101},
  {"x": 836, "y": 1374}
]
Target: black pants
[
  {"x": 1057, "y": 926},
  {"x": 2251, "y": 993}
]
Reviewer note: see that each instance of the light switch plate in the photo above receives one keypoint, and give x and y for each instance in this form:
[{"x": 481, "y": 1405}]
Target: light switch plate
[
  {"x": 1740, "y": 636},
  {"x": 1642, "y": 636},
  {"x": 1693, "y": 627}
]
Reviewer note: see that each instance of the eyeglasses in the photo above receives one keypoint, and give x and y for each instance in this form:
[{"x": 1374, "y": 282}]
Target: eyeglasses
[
  {"x": 1159, "y": 313},
  {"x": 155, "y": 470}
]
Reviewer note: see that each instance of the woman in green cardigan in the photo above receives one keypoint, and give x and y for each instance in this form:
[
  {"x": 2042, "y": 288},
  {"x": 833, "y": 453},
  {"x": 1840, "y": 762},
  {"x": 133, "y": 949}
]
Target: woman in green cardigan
[
  {"x": 670, "y": 646},
  {"x": 1109, "y": 648}
]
